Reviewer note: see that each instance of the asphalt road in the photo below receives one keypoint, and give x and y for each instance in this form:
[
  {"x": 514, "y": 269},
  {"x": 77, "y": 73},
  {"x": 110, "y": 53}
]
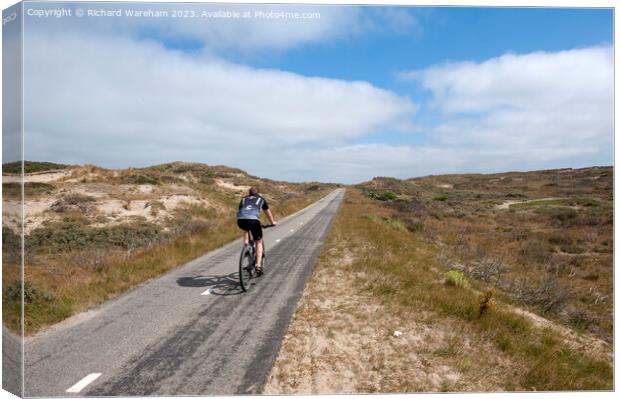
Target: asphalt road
[{"x": 170, "y": 337}]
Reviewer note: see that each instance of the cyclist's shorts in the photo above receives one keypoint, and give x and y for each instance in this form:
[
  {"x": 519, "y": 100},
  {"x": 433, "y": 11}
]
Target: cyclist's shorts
[{"x": 253, "y": 226}]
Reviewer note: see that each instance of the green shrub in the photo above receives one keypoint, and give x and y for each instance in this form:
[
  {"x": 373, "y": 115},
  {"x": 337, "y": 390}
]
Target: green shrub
[
  {"x": 456, "y": 278},
  {"x": 395, "y": 224},
  {"x": 442, "y": 197},
  {"x": 30, "y": 167},
  {"x": 67, "y": 236},
  {"x": 31, "y": 294},
  {"x": 386, "y": 196}
]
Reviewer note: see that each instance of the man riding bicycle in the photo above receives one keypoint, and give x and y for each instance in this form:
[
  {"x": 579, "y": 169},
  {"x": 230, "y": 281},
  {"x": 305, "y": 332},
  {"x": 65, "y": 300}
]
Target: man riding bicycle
[{"x": 248, "y": 220}]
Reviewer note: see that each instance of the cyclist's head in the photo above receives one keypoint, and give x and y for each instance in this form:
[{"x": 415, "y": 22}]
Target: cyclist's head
[{"x": 254, "y": 191}]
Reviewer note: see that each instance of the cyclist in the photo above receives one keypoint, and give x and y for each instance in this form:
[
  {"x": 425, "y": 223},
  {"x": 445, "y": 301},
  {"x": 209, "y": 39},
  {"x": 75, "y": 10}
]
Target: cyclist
[{"x": 248, "y": 220}]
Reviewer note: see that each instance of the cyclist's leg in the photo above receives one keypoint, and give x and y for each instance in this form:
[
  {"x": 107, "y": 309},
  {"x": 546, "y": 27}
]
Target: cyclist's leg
[
  {"x": 257, "y": 235},
  {"x": 245, "y": 226},
  {"x": 259, "y": 253},
  {"x": 246, "y": 238}
]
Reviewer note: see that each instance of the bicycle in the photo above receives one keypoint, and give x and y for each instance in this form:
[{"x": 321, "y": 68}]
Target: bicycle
[{"x": 247, "y": 261}]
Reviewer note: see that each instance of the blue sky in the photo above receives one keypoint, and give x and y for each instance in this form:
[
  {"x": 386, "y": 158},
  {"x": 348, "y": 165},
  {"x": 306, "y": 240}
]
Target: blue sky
[
  {"x": 360, "y": 92},
  {"x": 449, "y": 33}
]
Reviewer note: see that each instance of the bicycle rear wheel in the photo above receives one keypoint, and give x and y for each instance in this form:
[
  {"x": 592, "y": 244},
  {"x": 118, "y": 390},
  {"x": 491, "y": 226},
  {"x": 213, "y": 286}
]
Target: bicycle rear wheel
[{"x": 245, "y": 268}]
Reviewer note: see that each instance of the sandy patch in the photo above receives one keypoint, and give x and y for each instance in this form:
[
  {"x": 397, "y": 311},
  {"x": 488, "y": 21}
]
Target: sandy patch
[
  {"x": 123, "y": 209},
  {"x": 98, "y": 191},
  {"x": 43, "y": 177},
  {"x": 145, "y": 189},
  {"x": 342, "y": 341},
  {"x": 230, "y": 186},
  {"x": 38, "y": 206},
  {"x": 33, "y": 213},
  {"x": 173, "y": 201},
  {"x": 445, "y": 186}
]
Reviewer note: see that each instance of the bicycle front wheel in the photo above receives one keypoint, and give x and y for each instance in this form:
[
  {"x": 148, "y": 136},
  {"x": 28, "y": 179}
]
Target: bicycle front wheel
[{"x": 245, "y": 268}]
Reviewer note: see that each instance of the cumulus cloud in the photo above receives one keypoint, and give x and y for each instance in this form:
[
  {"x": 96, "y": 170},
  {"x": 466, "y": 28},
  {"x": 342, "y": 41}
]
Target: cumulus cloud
[
  {"x": 121, "y": 103},
  {"x": 514, "y": 112},
  {"x": 545, "y": 102}
]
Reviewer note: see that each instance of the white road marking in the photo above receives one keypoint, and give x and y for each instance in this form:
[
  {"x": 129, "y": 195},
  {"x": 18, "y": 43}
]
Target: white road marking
[
  {"x": 207, "y": 292},
  {"x": 81, "y": 384}
]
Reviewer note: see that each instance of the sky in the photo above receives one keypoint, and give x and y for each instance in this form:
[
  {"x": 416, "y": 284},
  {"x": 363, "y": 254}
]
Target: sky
[{"x": 345, "y": 95}]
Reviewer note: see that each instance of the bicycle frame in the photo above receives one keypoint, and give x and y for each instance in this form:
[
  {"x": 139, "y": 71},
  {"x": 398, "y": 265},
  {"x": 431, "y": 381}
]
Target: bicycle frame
[{"x": 248, "y": 272}]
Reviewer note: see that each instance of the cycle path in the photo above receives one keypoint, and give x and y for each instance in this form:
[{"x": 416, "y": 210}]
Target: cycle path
[{"x": 191, "y": 331}]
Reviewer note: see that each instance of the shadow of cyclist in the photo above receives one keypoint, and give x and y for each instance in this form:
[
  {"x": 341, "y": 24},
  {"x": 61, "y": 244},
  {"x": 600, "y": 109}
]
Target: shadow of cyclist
[{"x": 220, "y": 285}]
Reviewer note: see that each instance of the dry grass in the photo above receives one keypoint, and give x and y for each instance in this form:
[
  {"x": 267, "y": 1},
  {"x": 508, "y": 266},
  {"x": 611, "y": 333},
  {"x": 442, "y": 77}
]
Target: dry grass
[
  {"x": 542, "y": 239},
  {"x": 373, "y": 279}
]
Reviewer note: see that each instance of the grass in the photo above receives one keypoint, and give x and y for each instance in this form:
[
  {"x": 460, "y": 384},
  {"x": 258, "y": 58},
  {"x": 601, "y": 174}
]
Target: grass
[
  {"x": 399, "y": 269},
  {"x": 560, "y": 237},
  {"x": 456, "y": 278}
]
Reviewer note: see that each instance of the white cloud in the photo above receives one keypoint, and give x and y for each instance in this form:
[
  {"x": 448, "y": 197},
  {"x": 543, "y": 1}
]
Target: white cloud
[
  {"x": 321, "y": 24},
  {"x": 121, "y": 103},
  {"x": 514, "y": 112},
  {"x": 256, "y": 34},
  {"x": 534, "y": 101}
]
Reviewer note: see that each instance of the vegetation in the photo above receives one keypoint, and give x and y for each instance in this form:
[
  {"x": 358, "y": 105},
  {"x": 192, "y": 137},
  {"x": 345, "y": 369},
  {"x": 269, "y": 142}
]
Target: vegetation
[
  {"x": 31, "y": 167},
  {"x": 31, "y": 190},
  {"x": 541, "y": 239},
  {"x": 456, "y": 278},
  {"x": 372, "y": 279}
]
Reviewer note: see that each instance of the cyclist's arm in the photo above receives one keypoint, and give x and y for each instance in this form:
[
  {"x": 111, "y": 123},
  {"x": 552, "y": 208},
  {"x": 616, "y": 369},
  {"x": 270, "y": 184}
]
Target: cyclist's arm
[{"x": 269, "y": 216}]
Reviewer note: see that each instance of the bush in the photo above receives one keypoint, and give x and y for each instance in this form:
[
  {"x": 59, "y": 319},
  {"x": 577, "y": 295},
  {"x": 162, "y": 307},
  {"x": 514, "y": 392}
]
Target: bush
[
  {"x": 559, "y": 215},
  {"x": 485, "y": 300},
  {"x": 548, "y": 295},
  {"x": 192, "y": 227},
  {"x": 442, "y": 198},
  {"x": 414, "y": 225},
  {"x": 73, "y": 203},
  {"x": 31, "y": 294},
  {"x": 31, "y": 189},
  {"x": 488, "y": 270},
  {"x": 313, "y": 187},
  {"x": 395, "y": 224},
  {"x": 11, "y": 245},
  {"x": 67, "y": 236},
  {"x": 140, "y": 179},
  {"x": 386, "y": 196},
  {"x": 456, "y": 278}
]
